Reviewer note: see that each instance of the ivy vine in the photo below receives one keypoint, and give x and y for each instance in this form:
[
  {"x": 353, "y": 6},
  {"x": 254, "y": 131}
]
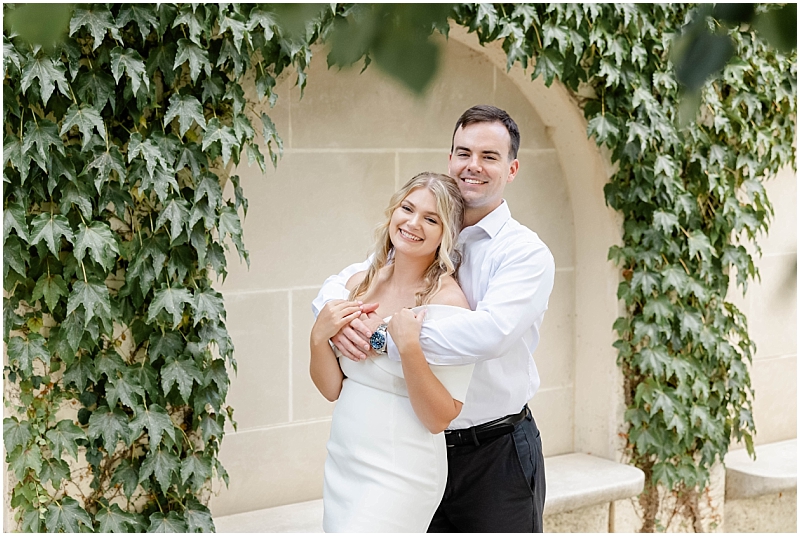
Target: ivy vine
[
  {"x": 691, "y": 199},
  {"x": 116, "y": 150}
]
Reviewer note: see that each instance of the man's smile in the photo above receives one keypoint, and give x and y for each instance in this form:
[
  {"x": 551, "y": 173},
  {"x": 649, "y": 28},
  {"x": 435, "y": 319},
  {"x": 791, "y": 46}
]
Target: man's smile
[{"x": 473, "y": 181}]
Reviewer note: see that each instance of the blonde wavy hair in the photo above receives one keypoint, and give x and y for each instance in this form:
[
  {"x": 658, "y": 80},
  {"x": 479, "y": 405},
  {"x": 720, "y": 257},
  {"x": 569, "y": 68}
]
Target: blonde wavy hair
[{"x": 449, "y": 207}]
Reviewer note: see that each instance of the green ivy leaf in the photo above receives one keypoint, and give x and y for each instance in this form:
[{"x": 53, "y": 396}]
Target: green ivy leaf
[
  {"x": 50, "y": 287},
  {"x": 172, "y": 522},
  {"x": 130, "y": 62},
  {"x": 215, "y": 132},
  {"x": 123, "y": 388},
  {"x": 14, "y": 218},
  {"x": 156, "y": 420},
  {"x": 66, "y": 516},
  {"x": 99, "y": 21},
  {"x": 25, "y": 350},
  {"x": 698, "y": 243},
  {"x": 144, "y": 17},
  {"x": 48, "y": 72},
  {"x": 177, "y": 213},
  {"x": 54, "y": 470},
  {"x": 163, "y": 464},
  {"x": 167, "y": 345},
  {"x": 105, "y": 162},
  {"x": 604, "y": 128},
  {"x": 172, "y": 300},
  {"x": 125, "y": 475},
  {"x": 229, "y": 224},
  {"x": 43, "y": 135},
  {"x": 149, "y": 151},
  {"x": 196, "y": 56},
  {"x": 97, "y": 87},
  {"x": 93, "y": 296},
  {"x": 114, "y": 519},
  {"x": 87, "y": 119},
  {"x": 100, "y": 242},
  {"x": 198, "y": 517},
  {"x": 23, "y": 458},
  {"x": 162, "y": 58},
  {"x": 182, "y": 372},
  {"x": 64, "y": 436},
  {"x": 50, "y": 228},
  {"x": 644, "y": 280},
  {"x": 197, "y": 467},
  {"x": 665, "y": 221},
  {"x": 550, "y": 65},
  {"x": 208, "y": 304},
  {"x": 16, "y": 433},
  {"x": 187, "y": 109},
  {"x": 80, "y": 372},
  {"x": 110, "y": 424}
]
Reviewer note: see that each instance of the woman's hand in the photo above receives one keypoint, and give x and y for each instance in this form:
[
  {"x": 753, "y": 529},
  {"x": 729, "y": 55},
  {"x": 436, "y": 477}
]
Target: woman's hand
[
  {"x": 404, "y": 327},
  {"x": 334, "y": 316}
]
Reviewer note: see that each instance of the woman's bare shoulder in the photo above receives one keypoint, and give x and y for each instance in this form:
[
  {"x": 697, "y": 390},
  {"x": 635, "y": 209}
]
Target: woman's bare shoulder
[
  {"x": 450, "y": 294},
  {"x": 355, "y": 279}
]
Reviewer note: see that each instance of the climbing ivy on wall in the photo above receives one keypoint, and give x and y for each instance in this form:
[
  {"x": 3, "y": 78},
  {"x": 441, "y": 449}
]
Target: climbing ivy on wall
[
  {"x": 691, "y": 198},
  {"x": 117, "y": 147}
]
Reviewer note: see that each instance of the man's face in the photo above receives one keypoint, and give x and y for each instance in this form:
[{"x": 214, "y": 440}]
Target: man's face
[{"x": 480, "y": 163}]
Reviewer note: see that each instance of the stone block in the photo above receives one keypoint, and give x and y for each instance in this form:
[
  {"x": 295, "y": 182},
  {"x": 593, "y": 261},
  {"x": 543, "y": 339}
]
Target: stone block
[
  {"x": 539, "y": 199},
  {"x": 555, "y": 355},
  {"x": 769, "y": 513},
  {"x": 307, "y": 402},
  {"x": 553, "y": 410},
  {"x": 773, "y": 307},
  {"x": 775, "y": 404},
  {"x": 272, "y": 467},
  {"x": 258, "y": 324},
  {"x": 311, "y": 218},
  {"x": 589, "y": 519}
]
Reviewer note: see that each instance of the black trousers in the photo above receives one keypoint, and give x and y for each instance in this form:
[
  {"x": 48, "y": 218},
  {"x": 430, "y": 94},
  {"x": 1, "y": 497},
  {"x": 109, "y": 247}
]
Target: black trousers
[{"x": 495, "y": 487}]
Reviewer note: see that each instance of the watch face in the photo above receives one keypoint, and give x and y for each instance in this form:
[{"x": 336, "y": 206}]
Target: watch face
[{"x": 378, "y": 340}]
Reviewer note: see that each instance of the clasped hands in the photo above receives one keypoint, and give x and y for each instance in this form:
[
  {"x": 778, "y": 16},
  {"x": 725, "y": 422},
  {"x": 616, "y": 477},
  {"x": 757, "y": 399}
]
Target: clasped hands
[{"x": 353, "y": 339}]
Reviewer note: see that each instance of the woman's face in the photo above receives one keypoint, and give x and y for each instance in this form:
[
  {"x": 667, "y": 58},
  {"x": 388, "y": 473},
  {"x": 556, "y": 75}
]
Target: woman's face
[{"x": 416, "y": 227}]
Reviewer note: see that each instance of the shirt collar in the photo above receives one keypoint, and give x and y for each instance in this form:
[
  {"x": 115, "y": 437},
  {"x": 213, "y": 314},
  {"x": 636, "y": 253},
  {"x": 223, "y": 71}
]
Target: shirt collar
[{"x": 494, "y": 221}]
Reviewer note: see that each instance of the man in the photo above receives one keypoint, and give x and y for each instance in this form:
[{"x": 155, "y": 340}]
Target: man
[{"x": 495, "y": 466}]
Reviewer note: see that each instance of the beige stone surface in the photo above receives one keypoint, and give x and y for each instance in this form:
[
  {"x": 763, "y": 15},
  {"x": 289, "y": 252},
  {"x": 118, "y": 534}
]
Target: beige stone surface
[
  {"x": 258, "y": 324},
  {"x": 589, "y": 519},
  {"x": 782, "y": 234},
  {"x": 553, "y": 411},
  {"x": 772, "y": 319},
  {"x": 555, "y": 355},
  {"x": 539, "y": 198},
  {"x": 775, "y": 406},
  {"x": 305, "y": 517},
  {"x": 769, "y": 513},
  {"x": 272, "y": 467},
  {"x": 311, "y": 218},
  {"x": 774, "y": 470},
  {"x": 307, "y": 402}
]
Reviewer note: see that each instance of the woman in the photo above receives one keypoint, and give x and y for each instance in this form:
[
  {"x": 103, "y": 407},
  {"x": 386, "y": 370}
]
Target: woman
[{"x": 387, "y": 461}]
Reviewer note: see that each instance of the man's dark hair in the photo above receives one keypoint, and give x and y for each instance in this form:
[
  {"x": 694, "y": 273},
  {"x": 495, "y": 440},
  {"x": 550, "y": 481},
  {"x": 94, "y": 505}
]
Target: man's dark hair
[{"x": 483, "y": 113}]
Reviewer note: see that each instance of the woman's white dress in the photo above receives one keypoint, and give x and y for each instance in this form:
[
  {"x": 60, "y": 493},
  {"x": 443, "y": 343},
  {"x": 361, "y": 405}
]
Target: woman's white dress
[{"x": 385, "y": 472}]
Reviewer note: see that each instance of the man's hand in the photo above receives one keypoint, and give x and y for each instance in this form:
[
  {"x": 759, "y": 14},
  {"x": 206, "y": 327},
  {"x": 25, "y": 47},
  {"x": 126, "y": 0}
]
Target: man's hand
[{"x": 353, "y": 340}]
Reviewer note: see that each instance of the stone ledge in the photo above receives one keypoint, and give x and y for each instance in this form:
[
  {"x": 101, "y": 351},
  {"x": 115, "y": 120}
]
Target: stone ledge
[
  {"x": 579, "y": 480},
  {"x": 574, "y": 481},
  {"x": 773, "y": 471}
]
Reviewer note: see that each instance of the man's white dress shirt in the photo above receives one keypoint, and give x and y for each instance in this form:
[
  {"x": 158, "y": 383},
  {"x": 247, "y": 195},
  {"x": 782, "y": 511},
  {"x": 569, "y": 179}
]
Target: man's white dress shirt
[{"x": 507, "y": 275}]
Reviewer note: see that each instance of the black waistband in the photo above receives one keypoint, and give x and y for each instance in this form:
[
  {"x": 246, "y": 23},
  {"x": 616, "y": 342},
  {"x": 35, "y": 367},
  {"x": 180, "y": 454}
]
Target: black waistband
[{"x": 483, "y": 432}]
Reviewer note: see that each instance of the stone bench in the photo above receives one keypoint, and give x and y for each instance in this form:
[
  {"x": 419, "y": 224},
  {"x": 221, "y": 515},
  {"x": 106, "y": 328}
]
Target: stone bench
[
  {"x": 580, "y": 490},
  {"x": 761, "y": 494}
]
